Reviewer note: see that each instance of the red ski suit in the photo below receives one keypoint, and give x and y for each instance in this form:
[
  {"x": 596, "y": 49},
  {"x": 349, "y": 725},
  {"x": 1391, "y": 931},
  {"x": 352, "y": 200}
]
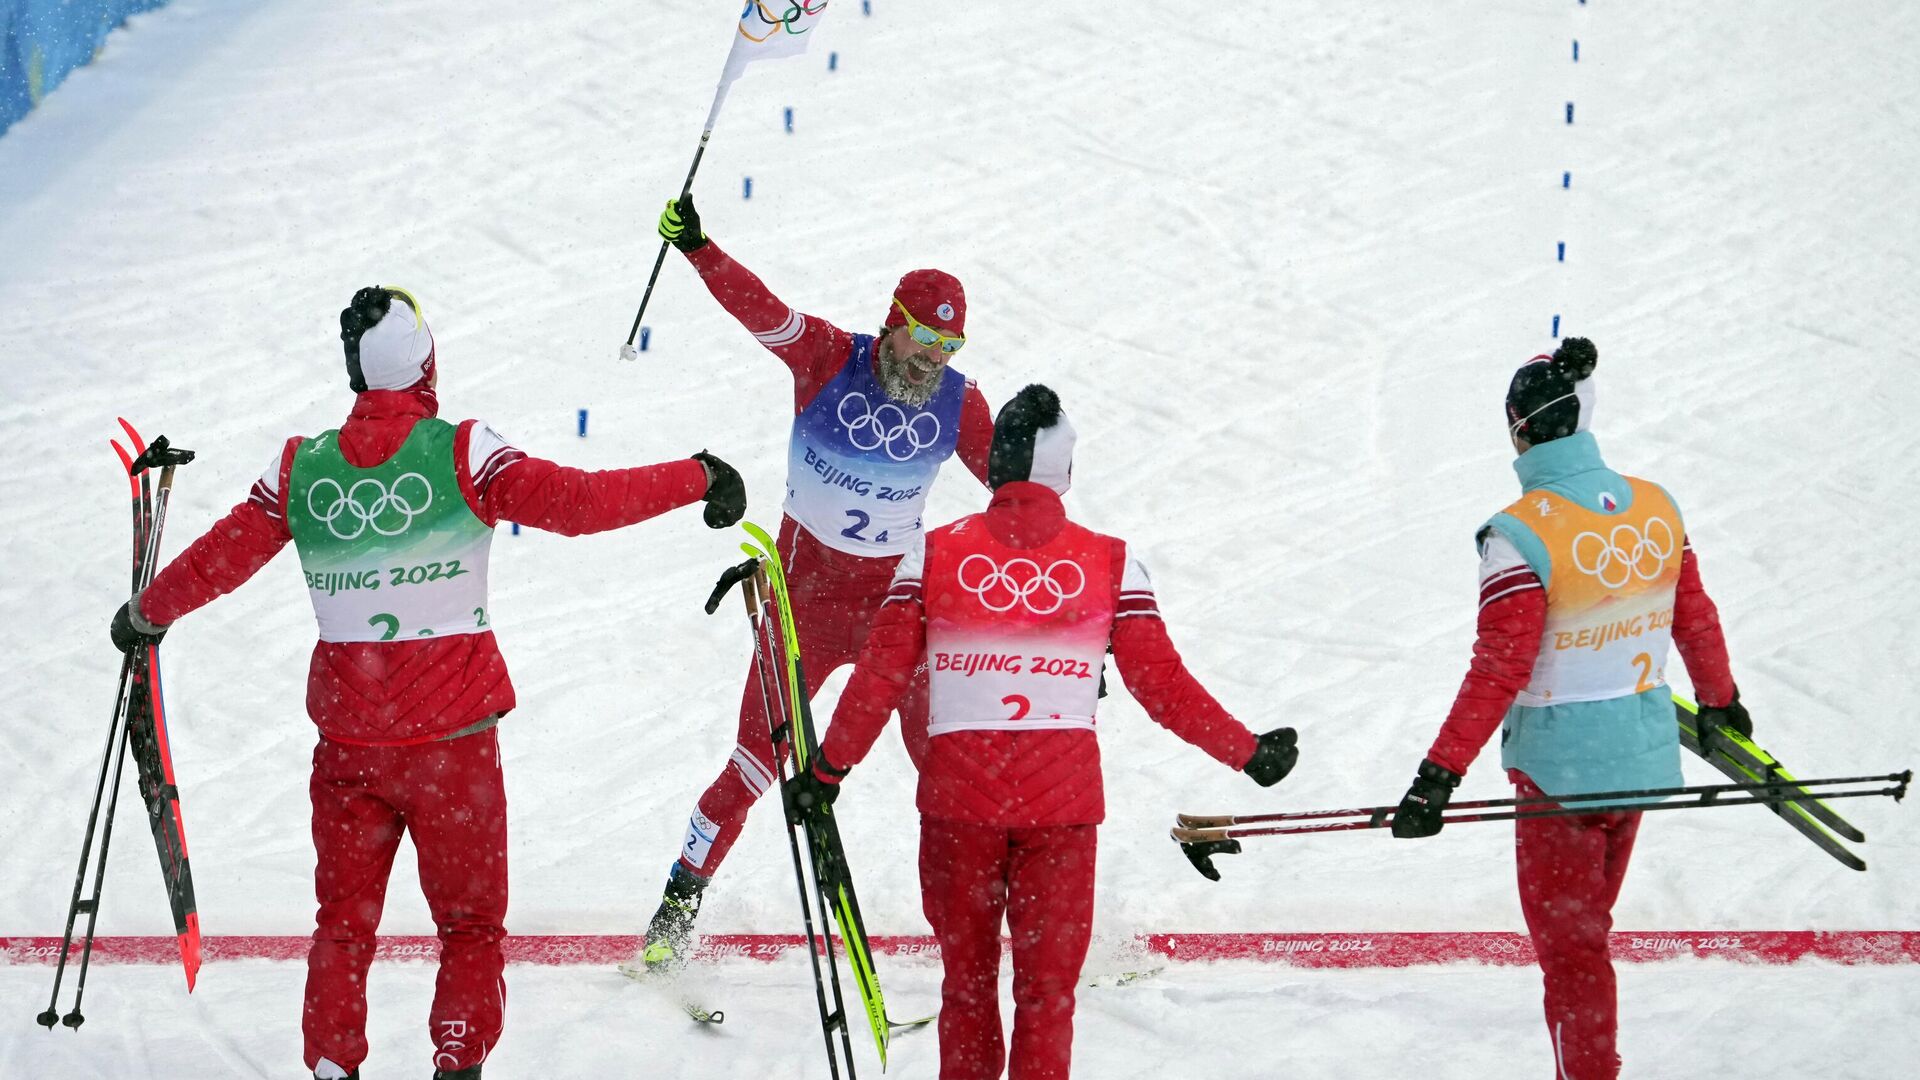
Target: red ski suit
[
  {"x": 1008, "y": 817},
  {"x": 834, "y": 593},
  {"x": 1570, "y": 868},
  {"x": 406, "y": 727}
]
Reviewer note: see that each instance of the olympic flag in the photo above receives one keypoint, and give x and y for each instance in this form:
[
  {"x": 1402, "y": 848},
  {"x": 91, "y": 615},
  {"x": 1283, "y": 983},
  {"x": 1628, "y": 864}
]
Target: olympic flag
[{"x": 768, "y": 30}]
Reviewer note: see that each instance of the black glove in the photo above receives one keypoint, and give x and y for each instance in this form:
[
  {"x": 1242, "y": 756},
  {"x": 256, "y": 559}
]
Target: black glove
[
  {"x": 726, "y": 495},
  {"x": 1272, "y": 760},
  {"x": 1714, "y": 717},
  {"x": 1419, "y": 812},
  {"x": 131, "y": 630},
  {"x": 1201, "y": 852},
  {"x": 808, "y": 795},
  {"x": 680, "y": 225}
]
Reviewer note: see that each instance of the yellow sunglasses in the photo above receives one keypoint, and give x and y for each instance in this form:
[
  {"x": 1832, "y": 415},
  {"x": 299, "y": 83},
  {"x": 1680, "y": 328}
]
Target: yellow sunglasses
[{"x": 927, "y": 335}]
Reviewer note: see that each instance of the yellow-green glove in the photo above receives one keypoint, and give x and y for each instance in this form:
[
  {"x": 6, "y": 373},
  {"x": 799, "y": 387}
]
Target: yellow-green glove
[{"x": 680, "y": 225}]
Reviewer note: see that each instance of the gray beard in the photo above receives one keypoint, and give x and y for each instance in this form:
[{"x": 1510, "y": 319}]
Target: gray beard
[{"x": 893, "y": 379}]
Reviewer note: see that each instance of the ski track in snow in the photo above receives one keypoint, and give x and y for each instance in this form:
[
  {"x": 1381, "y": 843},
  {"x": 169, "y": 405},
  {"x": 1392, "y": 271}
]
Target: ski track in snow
[{"x": 1280, "y": 272}]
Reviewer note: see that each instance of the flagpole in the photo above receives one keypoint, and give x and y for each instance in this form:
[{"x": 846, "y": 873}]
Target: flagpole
[
  {"x": 735, "y": 61},
  {"x": 627, "y": 351}
]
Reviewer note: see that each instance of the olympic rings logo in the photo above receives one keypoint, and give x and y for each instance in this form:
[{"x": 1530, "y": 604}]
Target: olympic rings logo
[
  {"x": 1021, "y": 582},
  {"x": 787, "y": 20},
  {"x": 1625, "y": 553},
  {"x": 368, "y": 504},
  {"x": 869, "y": 428}
]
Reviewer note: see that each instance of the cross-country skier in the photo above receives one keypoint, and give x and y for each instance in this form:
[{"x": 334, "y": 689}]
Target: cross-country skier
[
  {"x": 1013, "y": 610},
  {"x": 392, "y": 514},
  {"x": 1584, "y": 582},
  {"x": 875, "y": 416}
]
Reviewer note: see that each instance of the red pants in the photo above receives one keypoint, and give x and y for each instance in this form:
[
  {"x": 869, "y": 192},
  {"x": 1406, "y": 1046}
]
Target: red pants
[
  {"x": 834, "y": 598},
  {"x": 1041, "y": 880},
  {"x": 449, "y": 796},
  {"x": 1570, "y": 873}
]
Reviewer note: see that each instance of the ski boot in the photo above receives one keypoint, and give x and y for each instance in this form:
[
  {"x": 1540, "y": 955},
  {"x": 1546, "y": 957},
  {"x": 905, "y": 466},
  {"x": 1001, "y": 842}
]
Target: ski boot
[
  {"x": 670, "y": 933},
  {"x": 471, "y": 1072}
]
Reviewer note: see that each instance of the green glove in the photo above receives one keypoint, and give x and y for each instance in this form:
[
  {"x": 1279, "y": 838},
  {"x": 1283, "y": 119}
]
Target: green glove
[{"x": 680, "y": 225}]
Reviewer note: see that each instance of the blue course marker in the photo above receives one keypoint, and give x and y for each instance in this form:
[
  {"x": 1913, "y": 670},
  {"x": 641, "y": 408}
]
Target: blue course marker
[
  {"x": 1562, "y": 256},
  {"x": 646, "y": 332},
  {"x": 789, "y": 119},
  {"x": 1566, "y": 179},
  {"x": 833, "y": 61},
  {"x": 1569, "y": 112},
  {"x": 516, "y": 528},
  {"x": 583, "y": 423},
  {"x": 1576, "y": 50},
  {"x": 746, "y": 189},
  {"x": 1556, "y": 328}
]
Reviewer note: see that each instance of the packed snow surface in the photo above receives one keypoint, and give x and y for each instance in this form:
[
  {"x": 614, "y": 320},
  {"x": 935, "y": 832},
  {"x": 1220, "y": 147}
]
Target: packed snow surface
[{"x": 1278, "y": 263}]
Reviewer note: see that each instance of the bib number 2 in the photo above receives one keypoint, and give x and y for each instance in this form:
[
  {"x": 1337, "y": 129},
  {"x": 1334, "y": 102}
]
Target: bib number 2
[
  {"x": 1645, "y": 663},
  {"x": 857, "y": 530}
]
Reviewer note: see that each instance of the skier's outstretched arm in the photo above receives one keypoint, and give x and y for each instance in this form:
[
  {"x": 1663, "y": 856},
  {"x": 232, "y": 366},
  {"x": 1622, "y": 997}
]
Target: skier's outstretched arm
[
  {"x": 1158, "y": 679},
  {"x": 812, "y": 348},
  {"x": 503, "y": 483},
  {"x": 235, "y": 549}
]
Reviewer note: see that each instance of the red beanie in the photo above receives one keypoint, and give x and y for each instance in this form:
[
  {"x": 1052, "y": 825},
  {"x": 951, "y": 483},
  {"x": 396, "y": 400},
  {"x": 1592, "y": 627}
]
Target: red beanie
[{"x": 934, "y": 297}]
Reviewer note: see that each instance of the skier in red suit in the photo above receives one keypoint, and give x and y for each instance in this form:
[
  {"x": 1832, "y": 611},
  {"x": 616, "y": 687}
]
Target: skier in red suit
[
  {"x": 1013, "y": 612},
  {"x": 1581, "y": 706},
  {"x": 392, "y": 514},
  {"x": 875, "y": 417}
]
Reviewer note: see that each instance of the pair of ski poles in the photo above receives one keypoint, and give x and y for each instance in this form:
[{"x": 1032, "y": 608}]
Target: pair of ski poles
[
  {"x": 135, "y": 729},
  {"x": 782, "y": 683}
]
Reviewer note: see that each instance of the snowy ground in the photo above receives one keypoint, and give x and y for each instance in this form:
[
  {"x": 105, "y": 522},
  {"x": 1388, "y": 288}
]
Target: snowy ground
[
  {"x": 1239, "y": 1020},
  {"x": 1280, "y": 271}
]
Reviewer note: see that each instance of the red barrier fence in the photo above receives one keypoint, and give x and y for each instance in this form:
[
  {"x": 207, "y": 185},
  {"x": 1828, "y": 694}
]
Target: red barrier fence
[{"x": 1339, "y": 950}]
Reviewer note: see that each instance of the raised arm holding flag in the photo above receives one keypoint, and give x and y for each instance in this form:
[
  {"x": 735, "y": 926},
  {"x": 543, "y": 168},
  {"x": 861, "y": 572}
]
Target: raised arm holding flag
[{"x": 765, "y": 32}]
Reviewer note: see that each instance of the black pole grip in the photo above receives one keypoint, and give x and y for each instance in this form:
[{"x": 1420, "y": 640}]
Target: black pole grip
[
  {"x": 734, "y": 575},
  {"x": 159, "y": 453}
]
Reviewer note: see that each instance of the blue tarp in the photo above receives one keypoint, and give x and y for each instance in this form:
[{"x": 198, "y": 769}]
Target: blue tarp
[{"x": 42, "y": 40}]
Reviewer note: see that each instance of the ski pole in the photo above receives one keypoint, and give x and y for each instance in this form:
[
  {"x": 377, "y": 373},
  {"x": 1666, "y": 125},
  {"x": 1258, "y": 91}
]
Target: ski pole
[
  {"x": 1385, "y": 813},
  {"x": 627, "y": 351},
  {"x": 1382, "y": 817},
  {"x": 74, "y": 1019},
  {"x": 793, "y": 707},
  {"x": 52, "y": 1016},
  {"x": 746, "y": 575}
]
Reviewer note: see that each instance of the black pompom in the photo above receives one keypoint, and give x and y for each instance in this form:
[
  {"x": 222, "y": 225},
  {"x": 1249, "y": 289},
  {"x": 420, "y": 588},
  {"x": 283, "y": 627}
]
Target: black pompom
[
  {"x": 1021, "y": 418},
  {"x": 1576, "y": 358},
  {"x": 1040, "y": 405},
  {"x": 367, "y": 308}
]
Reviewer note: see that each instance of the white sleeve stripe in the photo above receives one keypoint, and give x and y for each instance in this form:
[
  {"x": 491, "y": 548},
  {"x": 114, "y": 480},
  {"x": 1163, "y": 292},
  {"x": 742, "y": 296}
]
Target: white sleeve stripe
[
  {"x": 1128, "y": 594},
  {"x": 267, "y": 498},
  {"x": 1517, "y": 588},
  {"x": 785, "y": 334},
  {"x": 1143, "y": 612},
  {"x": 1506, "y": 576},
  {"x": 495, "y": 466}
]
